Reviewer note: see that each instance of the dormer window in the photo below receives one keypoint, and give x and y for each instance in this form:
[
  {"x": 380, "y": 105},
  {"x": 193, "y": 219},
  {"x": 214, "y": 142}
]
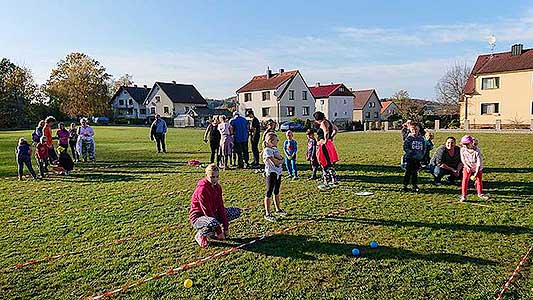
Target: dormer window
[{"x": 341, "y": 89}]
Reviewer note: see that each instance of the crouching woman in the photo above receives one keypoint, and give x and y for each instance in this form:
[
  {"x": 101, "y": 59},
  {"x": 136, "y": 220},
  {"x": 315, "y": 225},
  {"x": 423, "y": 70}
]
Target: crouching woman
[{"x": 207, "y": 213}]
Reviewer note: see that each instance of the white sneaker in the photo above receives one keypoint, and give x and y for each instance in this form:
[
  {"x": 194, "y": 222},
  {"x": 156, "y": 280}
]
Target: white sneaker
[
  {"x": 269, "y": 218},
  {"x": 281, "y": 213},
  {"x": 463, "y": 199},
  {"x": 483, "y": 196}
]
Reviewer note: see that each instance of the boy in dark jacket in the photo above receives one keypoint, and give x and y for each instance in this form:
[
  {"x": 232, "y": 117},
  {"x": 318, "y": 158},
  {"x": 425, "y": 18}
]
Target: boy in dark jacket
[
  {"x": 311, "y": 152},
  {"x": 414, "y": 148}
]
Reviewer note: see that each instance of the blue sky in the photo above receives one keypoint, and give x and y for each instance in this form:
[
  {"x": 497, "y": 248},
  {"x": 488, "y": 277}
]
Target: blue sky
[{"x": 219, "y": 45}]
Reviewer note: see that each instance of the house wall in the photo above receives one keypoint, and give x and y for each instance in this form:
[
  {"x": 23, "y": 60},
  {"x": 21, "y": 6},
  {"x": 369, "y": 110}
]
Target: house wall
[
  {"x": 515, "y": 97},
  {"x": 340, "y": 107},
  {"x": 257, "y": 104},
  {"x": 391, "y": 110},
  {"x": 362, "y": 114},
  {"x": 123, "y": 111},
  {"x": 174, "y": 109}
]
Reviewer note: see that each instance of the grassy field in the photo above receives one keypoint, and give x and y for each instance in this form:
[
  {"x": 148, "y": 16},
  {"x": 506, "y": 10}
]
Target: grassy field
[{"x": 431, "y": 247}]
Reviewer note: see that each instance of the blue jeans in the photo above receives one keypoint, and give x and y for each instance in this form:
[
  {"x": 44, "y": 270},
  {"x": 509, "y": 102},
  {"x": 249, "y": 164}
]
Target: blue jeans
[
  {"x": 439, "y": 172},
  {"x": 291, "y": 166}
]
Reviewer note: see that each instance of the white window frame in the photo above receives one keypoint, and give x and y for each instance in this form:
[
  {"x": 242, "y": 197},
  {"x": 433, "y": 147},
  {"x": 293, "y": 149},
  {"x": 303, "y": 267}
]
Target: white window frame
[
  {"x": 321, "y": 101},
  {"x": 152, "y": 110},
  {"x": 291, "y": 94},
  {"x": 267, "y": 93},
  {"x": 491, "y": 114},
  {"x": 293, "y": 111},
  {"x": 263, "y": 111},
  {"x": 304, "y": 95},
  {"x": 157, "y": 98},
  {"x": 304, "y": 113},
  {"x": 166, "y": 110},
  {"x": 246, "y": 94},
  {"x": 491, "y": 77}
]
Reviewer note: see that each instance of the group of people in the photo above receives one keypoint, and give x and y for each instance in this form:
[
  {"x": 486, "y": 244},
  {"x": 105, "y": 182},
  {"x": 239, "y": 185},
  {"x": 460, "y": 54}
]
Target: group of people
[
  {"x": 207, "y": 213},
  {"x": 80, "y": 140},
  {"x": 463, "y": 163}
]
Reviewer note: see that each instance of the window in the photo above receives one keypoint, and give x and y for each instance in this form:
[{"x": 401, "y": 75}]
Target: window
[
  {"x": 157, "y": 98},
  {"x": 131, "y": 102},
  {"x": 186, "y": 108},
  {"x": 143, "y": 111},
  {"x": 120, "y": 102},
  {"x": 376, "y": 114},
  {"x": 125, "y": 92},
  {"x": 130, "y": 111},
  {"x": 335, "y": 114},
  {"x": 304, "y": 95},
  {"x": 372, "y": 104},
  {"x": 305, "y": 111},
  {"x": 290, "y": 111},
  {"x": 152, "y": 110},
  {"x": 322, "y": 102},
  {"x": 341, "y": 89},
  {"x": 266, "y": 96},
  {"x": 532, "y": 107},
  {"x": 490, "y": 83},
  {"x": 247, "y": 97},
  {"x": 490, "y": 108},
  {"x": 291, "y": 94},
  {"x": 265, "y": 111},
  {"x": 166, "y": 110},
  {"x": 344, "y": 101},
  {"x": 367, "y": 114},
  {"x": 345, "y": 113}
]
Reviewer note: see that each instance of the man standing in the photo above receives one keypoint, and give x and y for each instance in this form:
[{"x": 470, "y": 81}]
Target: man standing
[
  {"x": 255, "y": 132},
  {"x": 239, "y": 128},
  {"x": 158, "y": 131}
]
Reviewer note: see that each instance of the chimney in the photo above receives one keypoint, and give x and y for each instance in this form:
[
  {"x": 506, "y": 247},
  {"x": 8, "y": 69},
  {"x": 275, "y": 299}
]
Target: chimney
[
  {"x": 517, "y": 49},
  {"x": 318, "y": 84},
  {"x": 145, "y": 86},
  {"x": 351, "y": 90},
  {"x": 269, "y": 73},
  {"x": 134, "y": 85},
  {"x": 173, "y": 81},
  {"x": 281, "y": 70}
]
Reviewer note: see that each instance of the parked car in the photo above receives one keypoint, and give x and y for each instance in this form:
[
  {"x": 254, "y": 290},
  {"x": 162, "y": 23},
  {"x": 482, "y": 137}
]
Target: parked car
[
  {"x": 293, "y": 126},
  {"x": 101, "y": 120}
]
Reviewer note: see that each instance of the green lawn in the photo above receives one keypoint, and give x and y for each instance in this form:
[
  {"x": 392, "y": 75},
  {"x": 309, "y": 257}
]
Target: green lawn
[{"x": 431, "y": 247}]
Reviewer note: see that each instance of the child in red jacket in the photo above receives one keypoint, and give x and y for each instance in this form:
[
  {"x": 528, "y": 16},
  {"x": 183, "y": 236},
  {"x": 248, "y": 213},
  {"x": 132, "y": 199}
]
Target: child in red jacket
[
  {"x": 207, "y": 213},
  {"x": 41, "y": 154}
]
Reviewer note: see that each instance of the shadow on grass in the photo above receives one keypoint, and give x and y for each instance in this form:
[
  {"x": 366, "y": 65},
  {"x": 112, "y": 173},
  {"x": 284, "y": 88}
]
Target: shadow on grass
[
  {"x": 100, "y": 177},
  {"x": 305, "y": 248},
  {"x": 501, "y": 229}
]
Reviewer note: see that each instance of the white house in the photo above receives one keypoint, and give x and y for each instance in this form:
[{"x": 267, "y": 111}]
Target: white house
[
  {"x": 172, "y": 99},
  {"x": 335, "y": 101},
  {"x": 278, "y": 96},
  {"x": 128, "y": 102},
  {"x": 366, "y": 106}
]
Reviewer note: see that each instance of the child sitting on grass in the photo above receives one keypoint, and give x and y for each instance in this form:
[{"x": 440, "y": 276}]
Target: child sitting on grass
[
  {"x": 290, "y": 147},
  {"x": 41, "y": 155},
  {"x": 273, "y": 167},
  {"x": 311, "y": 152},
  {"x": 207, "y": 213},
  {"x": 24, "y": 158},
  {"x": 472, "y": 167},
  {"x": 414, "y": 149},
  {"x": 64, "y": 165}
]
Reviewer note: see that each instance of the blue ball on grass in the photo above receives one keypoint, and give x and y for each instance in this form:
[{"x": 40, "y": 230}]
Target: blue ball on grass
[
  {"x": 355, "y": 252},
  {"x": 373, "y": 244}
]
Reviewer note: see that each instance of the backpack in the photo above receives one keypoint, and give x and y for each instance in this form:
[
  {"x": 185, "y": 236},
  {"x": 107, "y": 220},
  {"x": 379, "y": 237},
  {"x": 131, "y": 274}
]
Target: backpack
[{"x": 35, "y": 137}]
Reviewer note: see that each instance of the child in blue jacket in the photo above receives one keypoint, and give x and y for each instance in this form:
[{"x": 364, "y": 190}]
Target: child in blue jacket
[
  {"x": 415, "y": 149},
  {"x": 290, "y": 147}
]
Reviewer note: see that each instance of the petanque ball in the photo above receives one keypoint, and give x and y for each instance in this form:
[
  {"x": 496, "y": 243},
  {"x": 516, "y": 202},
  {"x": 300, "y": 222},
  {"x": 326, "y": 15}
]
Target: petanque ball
[
  {"x": 355, "y": 252},
  {"x": 187, "y": 283},
  {"x": 373, "y": 244}
]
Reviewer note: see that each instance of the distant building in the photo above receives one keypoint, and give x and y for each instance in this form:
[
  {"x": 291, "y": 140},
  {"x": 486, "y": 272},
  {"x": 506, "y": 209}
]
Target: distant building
[
  {"x": 335, "y": 101},
  {"x": 128, "y": 102},
  {"x": 366, "y": 107},
  {"x": 389, "y": 109},
  {"x": 278, "y": 96},
  {"x": 172, "y": 99},
  {"x": 199, "y": 117},
  {"x": 500, "y": 87}
]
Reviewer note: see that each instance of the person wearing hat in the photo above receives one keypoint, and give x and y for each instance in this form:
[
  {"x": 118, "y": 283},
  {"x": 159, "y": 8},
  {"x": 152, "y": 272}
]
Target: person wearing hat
[
  {"x": 472, "y": 167},
  {"x": 239, "y": 129}
]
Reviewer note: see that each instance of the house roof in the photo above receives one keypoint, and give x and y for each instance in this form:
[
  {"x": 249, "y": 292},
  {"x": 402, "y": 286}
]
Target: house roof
[
  {"x": 324, "y": 91},
  {"x": 499, "y": 62},
  {"x": 385, "y": 105},
  {"x": 208, "y": 112},
  {"x": 261, "y": 82},
  {"x": 137, "y": 93},
  {"x": 182, "y": 93},
  {"x": 361, "y": 98}
]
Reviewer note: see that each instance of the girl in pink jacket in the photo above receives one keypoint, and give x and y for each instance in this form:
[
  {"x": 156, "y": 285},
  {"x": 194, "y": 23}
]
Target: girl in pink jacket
[{"x": 472, "y": 167}]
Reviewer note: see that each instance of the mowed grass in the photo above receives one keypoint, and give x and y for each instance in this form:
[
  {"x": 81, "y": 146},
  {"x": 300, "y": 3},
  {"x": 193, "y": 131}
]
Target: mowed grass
[{"x": 431, "y": 247}]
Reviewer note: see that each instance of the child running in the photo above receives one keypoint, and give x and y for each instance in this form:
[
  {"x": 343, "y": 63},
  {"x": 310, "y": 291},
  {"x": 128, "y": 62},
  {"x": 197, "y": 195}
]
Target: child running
[
  {"x": 24, "y": 158},
  {"x": 273, "y": 167},
  {"x": 290, "y": 147},
  {"x": 414, "y": 149},
  {"x": 207, "y": 213},
  {"x": 472, "y": 167},
  {"x": 311, "y": 153},
  {"x": 41, "y": 155}
]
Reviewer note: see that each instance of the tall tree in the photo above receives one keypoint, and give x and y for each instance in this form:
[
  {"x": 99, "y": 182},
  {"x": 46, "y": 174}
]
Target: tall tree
[
  {"x": 450, "y": 87},
  {"x": 410, "y": 108},
  {"x": 79, "y": 86},
  {"x": 124, "y": 80},
  {"x": 17, "y": 91}
]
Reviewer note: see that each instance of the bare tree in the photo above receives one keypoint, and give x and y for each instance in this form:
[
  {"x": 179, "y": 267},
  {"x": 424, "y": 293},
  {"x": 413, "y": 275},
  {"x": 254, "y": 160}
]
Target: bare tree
[
  {"x": 124, "y": 80},
  {"x": 450, "y": 87},
  {"x": 410, "y": 108}
]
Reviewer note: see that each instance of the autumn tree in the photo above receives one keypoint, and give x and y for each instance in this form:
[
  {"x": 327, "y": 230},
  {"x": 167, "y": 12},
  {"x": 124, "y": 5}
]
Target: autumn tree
[
  {"x": 79, "y": 86},
  {"x": 124, "y": 80},
  {"x": 17, "y": 92},
  {"x": 450, "y": 87},
  {"x": 410, "y": 108}
]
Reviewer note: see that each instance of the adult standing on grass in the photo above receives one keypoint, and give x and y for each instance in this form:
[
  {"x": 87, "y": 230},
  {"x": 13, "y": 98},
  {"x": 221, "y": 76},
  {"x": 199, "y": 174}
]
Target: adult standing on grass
[
  {"x": 158, "y": 131},
  {"x": 326, "y": 152},
  {"x": 47, "y": 131},
  {"x": 86, "y": 144},
  {"x": 255, "y": 133},
  {"x": 207, "y": 213},
  {"x": 239, "y": 127},
  {"x": 447, "y": 161},
  {"x": 214, "y": 139}
]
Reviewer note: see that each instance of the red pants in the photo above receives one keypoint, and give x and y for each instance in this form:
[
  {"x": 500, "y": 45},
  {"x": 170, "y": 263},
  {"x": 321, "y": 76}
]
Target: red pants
[{"x": 466, "y": 180}]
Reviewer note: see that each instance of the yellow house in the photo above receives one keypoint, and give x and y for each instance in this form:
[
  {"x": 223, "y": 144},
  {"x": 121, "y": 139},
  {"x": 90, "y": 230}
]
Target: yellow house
[{"x": 499, "y": 91}]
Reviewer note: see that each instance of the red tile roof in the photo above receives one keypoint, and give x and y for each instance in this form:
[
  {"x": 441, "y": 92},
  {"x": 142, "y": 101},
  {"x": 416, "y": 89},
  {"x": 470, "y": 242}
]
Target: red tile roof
[
  {"x": 385, "y": 105},
  {"x": 324, "y": 91},
  {"x": 260, "y": 82},
  {"x": 499, "y": 62},
  {"x": 361, "y": 98}
]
